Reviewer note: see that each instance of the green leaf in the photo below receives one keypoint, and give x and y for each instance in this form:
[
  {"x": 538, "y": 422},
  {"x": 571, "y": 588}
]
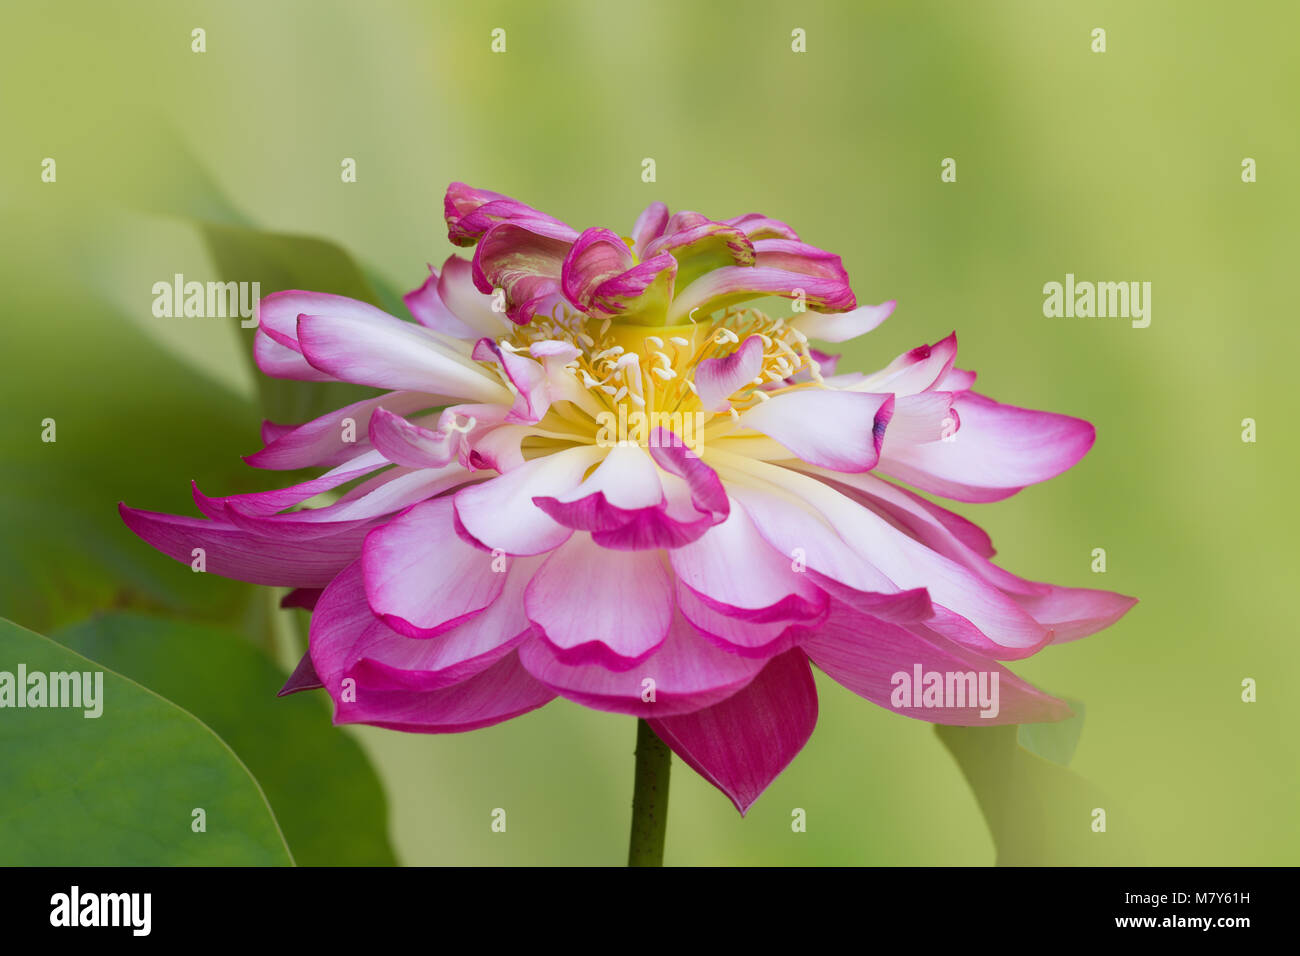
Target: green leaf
[
  {"x": 325, "y": 794},
  {"x": 1039, "y": 813},
  {"x": 130, "y": 423},
  {"x": 278, "y": 261},
  {"x": 121, "y": 788},
  {"x": 1054, "y": 740}
]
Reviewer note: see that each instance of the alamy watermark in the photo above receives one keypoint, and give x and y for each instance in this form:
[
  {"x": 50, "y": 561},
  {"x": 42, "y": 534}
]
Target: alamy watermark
[
  {"x": 650, "y": 429},
  {"x": 1102, "y": 300},
  {"x": 74, "y": 908},
  {"x": 74, "y": 689},
  {"x": 945, "y": 689},
  {"x": 172, "y": 300}
]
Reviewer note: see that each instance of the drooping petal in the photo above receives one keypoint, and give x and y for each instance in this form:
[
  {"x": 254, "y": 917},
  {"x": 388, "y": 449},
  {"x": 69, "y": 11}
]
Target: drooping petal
[
  {"x": 303, "y": 678},
  {"x": 865, "y": 655},
  {"x": 968, "y": 609},
  {"x": 233, "y": 552},
  {"x": 743, "y": 743}
]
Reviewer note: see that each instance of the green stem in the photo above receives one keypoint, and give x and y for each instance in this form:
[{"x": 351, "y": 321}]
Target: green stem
[{"x": 649, "y": 799}]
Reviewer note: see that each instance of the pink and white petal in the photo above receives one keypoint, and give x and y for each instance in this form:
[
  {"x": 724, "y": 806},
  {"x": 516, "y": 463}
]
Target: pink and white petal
[
  {"x": 404, "y": 443},
  {"x": 497, "y": 449},
  {"x": 526, "y": 374},
  {"x": 616, "y": 619},
  {"x": 740, "y": 574},
  {"x": 525, "y": 260},
  {"x": 998, "y": 450},
  {"x": 648, "y": 227},
  {"x": 920, "y": 418},
  {"x": 421, "y": 578},
  {"x": 427, "y": 307},
  {"x": 864, "y": 654},
  {"x": 626, "y": 480},
  {"x": 474, "y": 309},
  {"x": 915, "y": 371},
  {"x": 731, "y": 284},
  {"x": 397, "y": 356},
  {"x": 275, "y": 345},
  {"x": 324, "y": 440},
  {"x": 978, "y": 613},
  {"x": 1072, "y": 613},
  {"x": 470, "y": 212},
  {"x": 499, "y": 693},
  {"x": 386, "y": 494},
  {"x": 700, "y": 246},
  {"x": 385, "y": 660},
  {"x": 686, "y": 673},
  {"x": 956, "y": 380},
  {"x": 233, "y": 552},
  {"x": 277, "y": 499},
  {"x": 717, "y": 379},
  {"x": 757, "y": 226},
  {"x": 496, "y": 693},
  {"x": 500, "y": 513},
  {"x": 597, "y": 255},
  {"x": 841, "y": 431},
  {"x": 643, "y": 291},
  {"x": 743, "y": 743},
  {"x": 759, "y": 639}
]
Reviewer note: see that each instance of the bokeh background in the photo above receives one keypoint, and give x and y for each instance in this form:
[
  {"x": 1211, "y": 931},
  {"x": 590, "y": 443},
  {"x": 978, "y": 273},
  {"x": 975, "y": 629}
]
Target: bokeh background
[{"x": 1123, "y": 165}]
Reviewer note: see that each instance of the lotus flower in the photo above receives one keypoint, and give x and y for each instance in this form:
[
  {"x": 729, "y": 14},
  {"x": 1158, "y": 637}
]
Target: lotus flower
[{"x": 597, "y": 470}]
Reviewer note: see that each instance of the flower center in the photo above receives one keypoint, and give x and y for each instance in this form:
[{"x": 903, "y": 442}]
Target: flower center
[{"x": 653, "y": 369}]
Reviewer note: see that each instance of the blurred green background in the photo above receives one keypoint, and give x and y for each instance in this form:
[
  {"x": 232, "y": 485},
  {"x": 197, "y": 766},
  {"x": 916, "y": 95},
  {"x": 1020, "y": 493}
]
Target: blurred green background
[{"x": 1115, "y": 166}]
